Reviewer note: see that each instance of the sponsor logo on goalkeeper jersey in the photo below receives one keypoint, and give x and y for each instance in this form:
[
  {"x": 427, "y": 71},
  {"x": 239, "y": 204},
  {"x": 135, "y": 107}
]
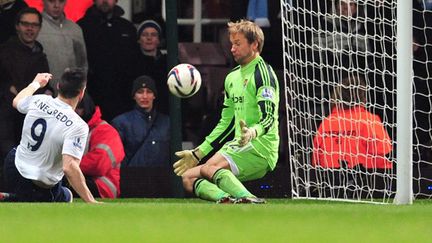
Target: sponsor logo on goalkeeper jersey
[
  {"x": 245, "y": 82},
  {"x": 238, "y": 99}
]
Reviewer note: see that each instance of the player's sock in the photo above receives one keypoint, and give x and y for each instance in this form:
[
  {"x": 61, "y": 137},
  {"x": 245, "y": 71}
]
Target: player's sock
[
  {"x": 206, "y": 190},
  {"x": 227, "y": 181}
]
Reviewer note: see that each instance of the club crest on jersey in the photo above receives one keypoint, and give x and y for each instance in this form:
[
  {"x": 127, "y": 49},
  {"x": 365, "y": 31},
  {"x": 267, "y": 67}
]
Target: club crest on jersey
[
  {"x": 245, "y": 82},
  {"x": 77, "y": 143},
  {"x": 267, "y": 93}
]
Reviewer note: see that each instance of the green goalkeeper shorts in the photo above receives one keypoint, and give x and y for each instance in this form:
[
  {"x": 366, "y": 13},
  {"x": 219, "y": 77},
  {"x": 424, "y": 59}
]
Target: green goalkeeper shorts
[{"x": 245, "y": 162}]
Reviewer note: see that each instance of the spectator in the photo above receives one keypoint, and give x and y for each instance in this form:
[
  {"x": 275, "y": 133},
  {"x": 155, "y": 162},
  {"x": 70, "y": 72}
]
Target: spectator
[
  {"x": 345, "y": 35},
  {"x": 111, "y": 45},
  {"x": 21, "y": 58},
  {"x": 144, "y": 131},
  {"x": 351, "y": 134},
  {"x": 62, "y": 40},
  {"x": 8, "y": 11},
  {"x": 152, "y": 62},
  {"x": 74, "y": 10},
  {"x": 52, "y": 144},
  {"x": 104, "y": 152}
]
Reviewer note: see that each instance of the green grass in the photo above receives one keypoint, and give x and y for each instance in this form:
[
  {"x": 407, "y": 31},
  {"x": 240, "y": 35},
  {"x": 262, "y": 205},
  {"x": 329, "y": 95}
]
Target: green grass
[{"x": 193, "y": 220}]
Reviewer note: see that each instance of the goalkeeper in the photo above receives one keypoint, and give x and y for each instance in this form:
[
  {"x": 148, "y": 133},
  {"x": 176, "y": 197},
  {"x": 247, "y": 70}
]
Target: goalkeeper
[{"x": 250, "y": 112}]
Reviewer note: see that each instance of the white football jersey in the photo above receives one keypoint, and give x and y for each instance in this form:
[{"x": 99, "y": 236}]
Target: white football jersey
[{"x": 51, "y": 128}]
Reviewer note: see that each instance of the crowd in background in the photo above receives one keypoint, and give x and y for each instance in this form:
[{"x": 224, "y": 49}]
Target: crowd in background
[
  {"x": 117, "y": 53},
  {"x": 126, "y": 73},
  {"x": 114, "y": 53}
]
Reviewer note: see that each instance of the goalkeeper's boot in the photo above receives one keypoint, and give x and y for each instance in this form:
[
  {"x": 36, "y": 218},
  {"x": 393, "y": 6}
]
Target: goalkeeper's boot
[
  {"x": 250, "y": 200},
  {"x": 226, "y": 200}
]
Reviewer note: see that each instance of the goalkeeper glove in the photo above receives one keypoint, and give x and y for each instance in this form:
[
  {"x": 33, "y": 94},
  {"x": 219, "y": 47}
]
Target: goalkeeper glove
[
  {"x": 188, "y": 159},
  {"x": 247, "y": 134}
]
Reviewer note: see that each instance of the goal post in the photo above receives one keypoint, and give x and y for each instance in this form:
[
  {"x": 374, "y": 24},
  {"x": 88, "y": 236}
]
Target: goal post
[
  {"x": 349, "y": 88},
  {"x": 404, "y": 185}
]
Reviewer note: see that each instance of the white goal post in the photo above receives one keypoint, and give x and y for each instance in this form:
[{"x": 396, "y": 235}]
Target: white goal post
[
  {"x": 404, "y": 36},
  {"x": 358, "y": 112}
]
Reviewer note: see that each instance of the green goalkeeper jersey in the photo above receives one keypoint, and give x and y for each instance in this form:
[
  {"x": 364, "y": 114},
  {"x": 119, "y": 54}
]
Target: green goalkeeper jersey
[{"x": 252, "y": 95}]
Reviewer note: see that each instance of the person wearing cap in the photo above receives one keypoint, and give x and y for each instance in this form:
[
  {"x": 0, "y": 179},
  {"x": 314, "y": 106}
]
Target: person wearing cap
[
  {"x": 144, "y": 131},
  {"x": 151, "y": 61}
]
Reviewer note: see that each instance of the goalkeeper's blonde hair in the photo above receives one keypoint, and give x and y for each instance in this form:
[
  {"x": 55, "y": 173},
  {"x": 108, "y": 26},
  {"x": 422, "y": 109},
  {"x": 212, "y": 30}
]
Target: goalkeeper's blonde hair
[{"x": 250, "y": 30}]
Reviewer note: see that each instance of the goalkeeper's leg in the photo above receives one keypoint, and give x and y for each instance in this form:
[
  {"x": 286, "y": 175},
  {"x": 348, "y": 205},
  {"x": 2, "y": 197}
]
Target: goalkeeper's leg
[
  {"x": 230, "y": 166},
  {"x": 202, "y": 188},
  {"x": 218, "y": 170},
  {"x": 206, "y": 190},
  {"x": 226, "y": 172}
]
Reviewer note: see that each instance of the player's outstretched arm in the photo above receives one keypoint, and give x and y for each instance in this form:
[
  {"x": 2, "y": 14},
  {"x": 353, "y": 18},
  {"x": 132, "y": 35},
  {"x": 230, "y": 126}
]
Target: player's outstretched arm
[
  {"x": 39, "y": 81},
  {"x": 188, "y": 159},
  {"x": 76, "y": 178}
]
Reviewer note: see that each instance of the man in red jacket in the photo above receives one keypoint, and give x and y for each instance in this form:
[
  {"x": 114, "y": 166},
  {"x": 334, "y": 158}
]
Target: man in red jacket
[
  {"x": 104, "y": 152},
  {"x": 351, "y": 133}
]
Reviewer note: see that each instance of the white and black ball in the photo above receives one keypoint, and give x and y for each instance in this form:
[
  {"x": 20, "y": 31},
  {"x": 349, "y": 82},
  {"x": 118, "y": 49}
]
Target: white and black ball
[{"x": 184, "y": 80}]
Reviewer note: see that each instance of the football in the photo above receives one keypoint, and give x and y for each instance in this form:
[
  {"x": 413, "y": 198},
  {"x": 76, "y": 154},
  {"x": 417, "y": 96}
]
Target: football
[{"x": 184, "y": 80}]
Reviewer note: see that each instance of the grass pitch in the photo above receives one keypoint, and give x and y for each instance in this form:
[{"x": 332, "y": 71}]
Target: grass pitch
[{"x": 193, "y": 220}]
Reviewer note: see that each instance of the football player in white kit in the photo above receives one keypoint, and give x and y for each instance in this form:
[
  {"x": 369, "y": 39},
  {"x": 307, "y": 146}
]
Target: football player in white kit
[{"x": 52, "y": 143}]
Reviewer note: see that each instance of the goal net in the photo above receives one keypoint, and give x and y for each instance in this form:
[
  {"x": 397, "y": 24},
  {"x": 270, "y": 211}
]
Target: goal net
[{"x": 340, "y": 87}]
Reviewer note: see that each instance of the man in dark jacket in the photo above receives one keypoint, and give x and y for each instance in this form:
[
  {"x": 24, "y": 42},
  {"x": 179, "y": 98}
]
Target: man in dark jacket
[
  {"x": 145, "y": 132},
  {"x": 8, "y": 11},
  {"x": 110, "y": 43},
  {"x": 21, "y": 58},
  {"x": 152, "y": 62}
]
